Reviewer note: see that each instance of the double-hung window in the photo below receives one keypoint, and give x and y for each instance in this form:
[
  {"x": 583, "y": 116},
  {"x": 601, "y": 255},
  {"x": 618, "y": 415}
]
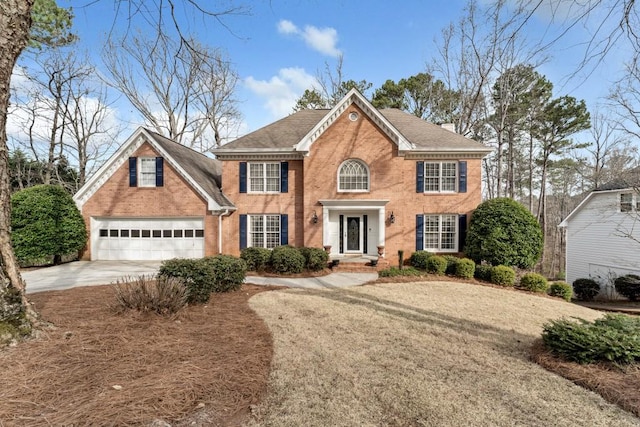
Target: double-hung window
[
  {"x": 264, "y": 231},
  {"x": 147, "y": 174},
  {"x": 627, "y": 202},
  {"x": 146, "y": 171},
  {"x": 440, "y": 232},
  {"x": 441, "y": 177},
  {"x": 264, "y": 177}
]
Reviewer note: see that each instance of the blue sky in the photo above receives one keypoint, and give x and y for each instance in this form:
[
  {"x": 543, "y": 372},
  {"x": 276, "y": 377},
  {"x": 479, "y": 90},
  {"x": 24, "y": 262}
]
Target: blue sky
[{"x": 278, "y": 47}]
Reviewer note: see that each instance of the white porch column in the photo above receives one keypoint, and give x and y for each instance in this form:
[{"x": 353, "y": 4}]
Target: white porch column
[
  {"x": 382, "y": 225},
  {"x": 325, "y": 227}
]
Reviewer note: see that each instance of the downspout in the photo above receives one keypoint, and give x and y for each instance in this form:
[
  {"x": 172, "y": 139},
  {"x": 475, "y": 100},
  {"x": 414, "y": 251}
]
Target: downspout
[{"x": 226, "y": 212}]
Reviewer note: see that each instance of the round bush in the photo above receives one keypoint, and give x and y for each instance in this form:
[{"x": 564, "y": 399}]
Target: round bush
[
  {"x": 229, "y": 272},
  {"x": 534, "y": 282},
  {"x": 561, "y": 289},
  {"x": 436, "y": 264},
  {"x": 45, "y": 223},
  {"x": 628, "y": 286},
  {"x": 197, "y": 275},
  {"x": 286, "y": 260},
  {"x": 585, "y": 289},
  {"x": 419, "y": 259},
  {"x": 257, "y": 259},
  {"x": 483, "y": 272},
  {"x": 503, "y": 275},
  {"x": 465, "y": 268},
  {"x": 503, "y": 232},
  {"x": 452, "y": 261},
  {"x": 315, "y": 258}
]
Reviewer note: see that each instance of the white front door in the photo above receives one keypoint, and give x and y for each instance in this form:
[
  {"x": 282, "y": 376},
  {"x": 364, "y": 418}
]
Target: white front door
[{"x": 352, "y": 234}]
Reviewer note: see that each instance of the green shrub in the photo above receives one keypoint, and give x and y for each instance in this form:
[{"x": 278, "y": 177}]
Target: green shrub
[
  {"x": 197, "y": 276},
  {"x": 395, "y": 271},
  {"x": 561, "y": 289},
  {"x": 419, "y": 259},
  {"x": 483, "y": 272},
  {"x": 228, "y": 272},
  {"x": 628, "y": 286},
  {"x": 613, "y": 338},
  {"x": 437, "y": 264},
  {"x": 452, "y": 261},
  {"x": 534, "y": 282},
  {"x": 286, "y": 260},
  {"x": 503, "y": 232},
  {"x": 465, "y": 268},
  {"x": 256, "y": 258},
  {"x": 585, "y": 289},
  {"x": 503, "y": 275},
  {"x": 45, "y": 223},
  {"x": 315, "y": 258},
  {"x": 162, "y": 295}
]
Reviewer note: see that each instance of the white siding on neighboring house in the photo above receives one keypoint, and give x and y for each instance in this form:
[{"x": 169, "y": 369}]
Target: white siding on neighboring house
[{"x": 596, "y": 245}]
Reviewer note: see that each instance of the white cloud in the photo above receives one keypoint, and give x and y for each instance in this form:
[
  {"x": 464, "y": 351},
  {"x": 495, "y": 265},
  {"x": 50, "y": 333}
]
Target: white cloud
[
  {"x": 323, "y": 40},
  {"x": 282, "y": 91}
]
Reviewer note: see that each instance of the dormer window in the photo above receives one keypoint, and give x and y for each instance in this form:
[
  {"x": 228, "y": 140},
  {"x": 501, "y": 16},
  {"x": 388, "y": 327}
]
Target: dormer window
[{"x": 353, "y": 176}]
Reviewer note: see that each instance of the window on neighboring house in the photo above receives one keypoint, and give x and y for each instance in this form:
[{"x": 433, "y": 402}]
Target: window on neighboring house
[
  {"x": 264, "y": 231},
  {"x": 353, "y": 175},
  {"x": 146, "y": 171},
  {"x": 626, "y": 202},
  {"x": 440, "y": 233}
]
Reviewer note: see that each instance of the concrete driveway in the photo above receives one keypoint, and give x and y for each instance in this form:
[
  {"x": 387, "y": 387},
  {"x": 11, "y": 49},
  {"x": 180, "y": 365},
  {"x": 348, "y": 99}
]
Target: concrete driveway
[{"x": 85, "y": 273}]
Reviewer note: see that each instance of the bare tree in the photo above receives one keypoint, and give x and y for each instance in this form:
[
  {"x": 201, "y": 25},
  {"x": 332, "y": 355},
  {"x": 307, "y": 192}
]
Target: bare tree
[{"x": 184, "y": 90}]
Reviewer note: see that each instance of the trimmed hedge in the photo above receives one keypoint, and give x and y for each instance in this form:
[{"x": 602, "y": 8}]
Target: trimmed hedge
[
  {"x": 628, "y": 286},
  {"x": 561, "y": 289},
  {"x": 585, "y": 289},
  {"x": 257, "y": 259},
  {"x": 315, "y": 258},
  {"x": 534, "y": 282},
  {"x": 437, "y": 264},
  {"x": 452, "y": 262},
  {"x": 465, "y": 268},
  {"x": 503, "y": 275},
  {"x": 419, "y": 259},
  {"x": 287, "y": 260},
  {"x": 395, "y": 271},
  {"x": 483, "y": 272},
  {"x": 229, "y": 272}
]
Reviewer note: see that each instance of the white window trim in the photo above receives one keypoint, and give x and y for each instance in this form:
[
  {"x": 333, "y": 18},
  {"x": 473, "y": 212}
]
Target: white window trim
[
  {"x": 264, "y": 178},
  {"x": 250, "y": 219},
  {"x": 440, "y": 190},
  {"x": 635, "y": 203},
  {"x": 439, "y": 248},
  {"x": 366, "y": 166},
  {"x": 140, "y": 172}
]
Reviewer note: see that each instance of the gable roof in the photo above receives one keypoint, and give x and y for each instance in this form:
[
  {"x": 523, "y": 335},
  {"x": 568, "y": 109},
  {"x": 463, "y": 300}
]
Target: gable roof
[
  {"x": 294, "y": 134},
  {"x": 201, "y": 172}
]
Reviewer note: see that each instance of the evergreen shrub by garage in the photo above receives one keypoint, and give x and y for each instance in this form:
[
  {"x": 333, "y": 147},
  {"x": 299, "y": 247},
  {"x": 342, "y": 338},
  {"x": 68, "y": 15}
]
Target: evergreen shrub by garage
[
  {"x": 585, "y": 289},
  {"x": 315, "y": 258},
  {"x": 45, "y": 224},
  {"x": 419, "y": 259},
  {"x": 628, "y": 286},
  {"x": 503, "y": 232},
  {"x": 287, "y": 260},
  {"x": 465, "y": 268},
  {"x": 437, "y": 264},
  {"x": 561, "y": 289},
  {"x": 257, "y": 259},
  {"x": 503, "y": 275},
  {"x": 534, "y": 282}
]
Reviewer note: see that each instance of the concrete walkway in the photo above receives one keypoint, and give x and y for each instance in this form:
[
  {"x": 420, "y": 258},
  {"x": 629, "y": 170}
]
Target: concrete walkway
[{"x": 333, "y": 280}]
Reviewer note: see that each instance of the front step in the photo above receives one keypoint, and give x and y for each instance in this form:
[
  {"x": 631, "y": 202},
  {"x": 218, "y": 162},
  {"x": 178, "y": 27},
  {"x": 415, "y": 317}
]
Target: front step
[{"x": 358, "y": 267}]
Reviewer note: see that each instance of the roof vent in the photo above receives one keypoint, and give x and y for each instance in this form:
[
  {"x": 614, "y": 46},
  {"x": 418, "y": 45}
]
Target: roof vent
[{"x": 449, "y": 126}]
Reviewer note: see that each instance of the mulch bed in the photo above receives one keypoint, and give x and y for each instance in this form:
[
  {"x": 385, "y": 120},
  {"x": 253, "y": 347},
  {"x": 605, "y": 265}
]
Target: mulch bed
[{"x": 205, "y": 366}]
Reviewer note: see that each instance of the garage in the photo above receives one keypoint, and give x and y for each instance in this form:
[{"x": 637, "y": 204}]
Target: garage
[{"x": 146, "y": 238}]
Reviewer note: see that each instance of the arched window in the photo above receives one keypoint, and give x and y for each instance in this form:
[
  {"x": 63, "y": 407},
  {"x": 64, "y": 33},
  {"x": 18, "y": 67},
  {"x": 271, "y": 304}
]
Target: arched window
[{"x": 353, "y": 175}]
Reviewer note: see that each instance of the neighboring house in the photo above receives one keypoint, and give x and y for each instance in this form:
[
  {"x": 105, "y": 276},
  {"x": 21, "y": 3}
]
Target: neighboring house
[
  {"x": 603, "y": 235},
  {"x": 353, "y": 179}
]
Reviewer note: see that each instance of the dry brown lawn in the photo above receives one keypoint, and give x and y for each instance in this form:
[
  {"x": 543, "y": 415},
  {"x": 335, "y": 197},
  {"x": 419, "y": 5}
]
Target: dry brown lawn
[{"x": 418, "y": 354}]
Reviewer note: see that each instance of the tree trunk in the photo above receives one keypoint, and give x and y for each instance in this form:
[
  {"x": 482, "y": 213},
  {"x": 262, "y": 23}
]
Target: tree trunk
[{"x": 15, "y": 21}]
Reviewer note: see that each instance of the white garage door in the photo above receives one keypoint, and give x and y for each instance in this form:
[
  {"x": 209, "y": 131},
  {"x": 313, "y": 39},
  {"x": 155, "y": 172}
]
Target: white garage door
[{"x": 146, "y": 239}]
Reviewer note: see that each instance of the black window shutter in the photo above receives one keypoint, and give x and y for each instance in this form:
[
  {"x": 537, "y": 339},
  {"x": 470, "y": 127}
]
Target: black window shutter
[
  {"x": 462, "y": 232},
  {"x": 159, "y": 171},
  {"x": 284, "y": 177},
  {"x": 133, "y": 171},
  {"x": 419, "y": 177},
  {"x": 462, "y": 177},
  {"x": 284, "y": 229},
  {"x": 243, "y": 232},
  {"x": 419, "y": 232},
  {"x": 243, "y": 177}
]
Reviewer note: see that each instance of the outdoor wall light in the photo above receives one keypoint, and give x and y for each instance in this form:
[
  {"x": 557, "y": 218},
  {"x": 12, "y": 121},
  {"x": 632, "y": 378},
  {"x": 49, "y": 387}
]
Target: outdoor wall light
[
  {"x": 392, "y": 218},
  {"x": 314, "y": 217}
]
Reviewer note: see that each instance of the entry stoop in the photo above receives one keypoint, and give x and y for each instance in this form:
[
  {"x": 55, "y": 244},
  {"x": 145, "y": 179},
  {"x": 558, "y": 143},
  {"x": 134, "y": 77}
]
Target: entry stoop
[{"x": 357, "y": 264}]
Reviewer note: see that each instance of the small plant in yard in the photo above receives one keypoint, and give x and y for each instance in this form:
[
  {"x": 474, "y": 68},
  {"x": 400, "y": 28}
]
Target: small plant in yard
[
  {"x": 315, "y": 258},
  {"x": 503, "y": 275},
  {"x": 419, "y": 259},
  {"x": 585, "y": 289},
  {"x": 561, "y": 289},
  {"x": 452, "y": 261},
  {"x": 534, "y": 282},
  {"x": 437, "y": 264},
  {"x": 155, "y": 294},
  {"x": 229, "y": 272},
  {"x": 256, "y": 258},
  {"x": 465, "y": 268},
  {"x": 395, "y": 271},
  {"x": 628, "y": 286},
  {"x": 287, "y": 260},
  {"x": 612, "y": 338},
  {"x": 483, "y": 272}
]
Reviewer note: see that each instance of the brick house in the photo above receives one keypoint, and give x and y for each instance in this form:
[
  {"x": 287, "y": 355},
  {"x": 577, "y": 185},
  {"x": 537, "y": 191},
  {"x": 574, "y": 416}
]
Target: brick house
[{"x": 353, "y": 179}]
